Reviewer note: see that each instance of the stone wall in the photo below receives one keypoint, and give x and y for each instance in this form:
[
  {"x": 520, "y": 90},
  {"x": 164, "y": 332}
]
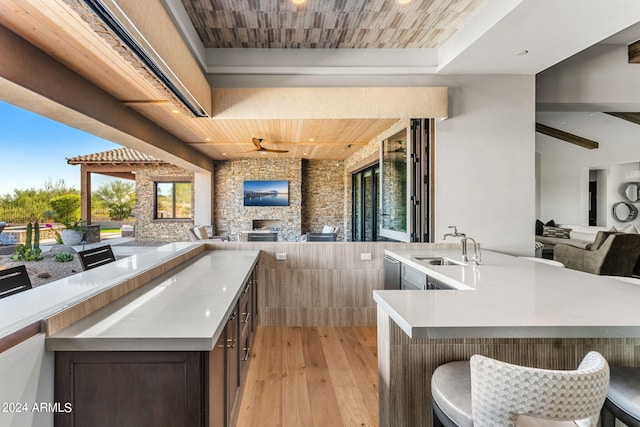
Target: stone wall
[
  {"x": 322, "y": 195},
  {"x": 149, "y": 229},
  {"x": 232, "y": 217}
]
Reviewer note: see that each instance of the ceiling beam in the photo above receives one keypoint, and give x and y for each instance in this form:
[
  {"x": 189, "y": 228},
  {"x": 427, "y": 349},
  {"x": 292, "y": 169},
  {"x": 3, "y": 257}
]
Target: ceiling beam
[
  {"x": 630, "y": 117},
  {"x": 566, "y": 136},
  {"x": 34, "y": 80},
  {"x": 634, "y": 52}
]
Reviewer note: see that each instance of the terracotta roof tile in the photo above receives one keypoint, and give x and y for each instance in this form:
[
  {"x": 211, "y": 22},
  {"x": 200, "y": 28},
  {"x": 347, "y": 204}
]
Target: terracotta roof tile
[{"x": 119, "y": 155}]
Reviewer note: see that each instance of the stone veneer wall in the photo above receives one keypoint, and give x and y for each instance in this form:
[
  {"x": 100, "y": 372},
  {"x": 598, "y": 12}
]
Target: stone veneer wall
[
  {"x": 149, "y": 229},
  {"x": 231, "y": 216},
  {"x": 322, "y": 195}
]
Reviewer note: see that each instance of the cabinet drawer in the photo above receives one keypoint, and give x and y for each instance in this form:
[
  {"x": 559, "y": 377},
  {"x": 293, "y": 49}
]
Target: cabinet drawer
[
  {"x": 408, "y": 286},
  {"x": 413, "y": 276}
]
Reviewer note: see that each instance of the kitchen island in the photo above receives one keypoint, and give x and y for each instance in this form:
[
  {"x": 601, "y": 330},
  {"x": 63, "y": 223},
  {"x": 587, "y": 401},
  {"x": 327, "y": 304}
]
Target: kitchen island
[
  {"x": 507, "y": 308},
  {"x": 174, "y": 351}
]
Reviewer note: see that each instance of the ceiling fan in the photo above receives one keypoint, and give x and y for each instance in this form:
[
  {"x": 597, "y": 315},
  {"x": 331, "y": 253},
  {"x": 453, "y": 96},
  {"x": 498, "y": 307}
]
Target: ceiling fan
[{"x": 258, "y": 143}]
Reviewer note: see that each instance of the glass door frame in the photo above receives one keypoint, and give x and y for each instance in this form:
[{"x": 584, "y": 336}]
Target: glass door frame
[
  {"x": 404, "y": 235},
  {"x": 360, "y": 223}
]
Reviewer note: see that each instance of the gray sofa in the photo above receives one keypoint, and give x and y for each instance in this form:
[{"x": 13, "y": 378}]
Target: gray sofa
[
  {"x": 580, "y": 236},
  {"x": 612, "y": 254}
]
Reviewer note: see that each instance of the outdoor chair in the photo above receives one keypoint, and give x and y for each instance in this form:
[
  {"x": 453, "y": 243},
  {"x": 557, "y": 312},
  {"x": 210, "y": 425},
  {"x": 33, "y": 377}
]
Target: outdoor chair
[
  {"x": 14, "y": 280},
  {"x": 321, "y": 237},
  {"x": 262, "y": 237},
  {"x": 92, "y": 258},
  {"x": 327, "y": 229}
]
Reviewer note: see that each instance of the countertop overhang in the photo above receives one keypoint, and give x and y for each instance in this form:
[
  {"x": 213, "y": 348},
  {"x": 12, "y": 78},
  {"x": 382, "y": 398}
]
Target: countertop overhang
[{"x": 511, "y": 297}]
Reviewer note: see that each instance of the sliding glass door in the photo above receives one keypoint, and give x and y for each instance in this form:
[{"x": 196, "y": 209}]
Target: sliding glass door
[{"x": 365, "y": 204}]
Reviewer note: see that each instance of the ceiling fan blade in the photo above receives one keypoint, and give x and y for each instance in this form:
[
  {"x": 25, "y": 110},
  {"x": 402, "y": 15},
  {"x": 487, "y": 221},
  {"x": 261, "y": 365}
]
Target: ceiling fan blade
[{"x": 275, "y": 151}]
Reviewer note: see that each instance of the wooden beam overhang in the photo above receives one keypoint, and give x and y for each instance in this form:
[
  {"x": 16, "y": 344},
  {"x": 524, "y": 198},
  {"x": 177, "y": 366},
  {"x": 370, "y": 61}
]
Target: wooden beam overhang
[
  {"x": 566, "y": 136},
  {"x": 634, "y": 52},
  {"x": 630, "y": 117}
]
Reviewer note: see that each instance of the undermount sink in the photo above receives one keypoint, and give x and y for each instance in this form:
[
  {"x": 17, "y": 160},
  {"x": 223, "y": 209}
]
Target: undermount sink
[{"x": 438, "y": 261}]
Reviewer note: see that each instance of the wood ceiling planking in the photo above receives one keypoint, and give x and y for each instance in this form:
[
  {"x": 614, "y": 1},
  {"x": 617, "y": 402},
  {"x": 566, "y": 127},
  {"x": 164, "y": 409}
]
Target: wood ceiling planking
[
  {"x": 350, "y": 24},
  {"x": 330, "y": 138},
  {"x": 78, "y": 47},
  {"x": 61, "y": 32}
]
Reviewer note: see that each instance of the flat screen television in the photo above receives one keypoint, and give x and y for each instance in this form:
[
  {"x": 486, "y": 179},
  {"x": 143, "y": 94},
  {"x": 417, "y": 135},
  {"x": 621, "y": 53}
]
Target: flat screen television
[{"x": 266, "y": 193}]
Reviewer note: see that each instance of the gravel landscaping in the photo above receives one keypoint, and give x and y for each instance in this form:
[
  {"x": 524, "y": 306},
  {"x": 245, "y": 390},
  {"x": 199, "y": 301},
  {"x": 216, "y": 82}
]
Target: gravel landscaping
[
  {"x": 44, "y": 271},
  {"x": 48, "y": 269}
]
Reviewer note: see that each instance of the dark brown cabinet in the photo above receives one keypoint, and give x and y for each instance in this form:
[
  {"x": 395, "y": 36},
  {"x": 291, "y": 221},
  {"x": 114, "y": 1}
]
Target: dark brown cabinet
[
  {"x": 161, "y": 388},
  {"x": 217, "y": 384}
]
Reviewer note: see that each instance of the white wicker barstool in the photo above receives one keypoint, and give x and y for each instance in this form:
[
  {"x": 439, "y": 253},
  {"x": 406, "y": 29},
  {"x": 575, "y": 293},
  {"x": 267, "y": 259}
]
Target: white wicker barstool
[{"x": 488, "y": 393}]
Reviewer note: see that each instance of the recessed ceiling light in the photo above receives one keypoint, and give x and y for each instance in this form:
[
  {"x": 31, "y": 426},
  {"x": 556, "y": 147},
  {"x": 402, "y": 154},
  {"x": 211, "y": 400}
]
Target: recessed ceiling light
[
  {"x": 522, "y": 52},
  {"x": 264, "y": 153},
  {"x": 305, "y": 154},
  {"x": 224, "y": 154},
  {"x": 207, "y": 139},
  {"x": 311, "y": 139},
  {"x": 175, "y": 111},
  {"x": 298, "y": 1},
  {"x": 403, "y": 2}
]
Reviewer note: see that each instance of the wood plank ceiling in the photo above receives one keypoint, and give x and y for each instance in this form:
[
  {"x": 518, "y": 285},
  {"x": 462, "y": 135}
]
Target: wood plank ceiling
[{"x": 64, "y": 34}]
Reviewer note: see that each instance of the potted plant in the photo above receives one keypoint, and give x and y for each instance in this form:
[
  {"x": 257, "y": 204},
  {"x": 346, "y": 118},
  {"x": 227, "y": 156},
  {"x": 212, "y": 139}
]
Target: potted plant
[{"x": 73, "y": 232}]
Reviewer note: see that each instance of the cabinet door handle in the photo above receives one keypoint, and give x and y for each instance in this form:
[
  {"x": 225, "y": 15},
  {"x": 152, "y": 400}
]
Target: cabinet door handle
[
  {"x": 231, "y": 342},
  {"x": 246, "y": 318},
  {"x": 246, "y": 288},
  {"x": 246, "y": 354}
]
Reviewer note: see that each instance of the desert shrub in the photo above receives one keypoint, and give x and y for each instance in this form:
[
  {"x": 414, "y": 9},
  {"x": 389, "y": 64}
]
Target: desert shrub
[
  {"x": 67, "y": 207},
  {"x": 25, "y": 253},
  {"x": 64, "y": 257}
]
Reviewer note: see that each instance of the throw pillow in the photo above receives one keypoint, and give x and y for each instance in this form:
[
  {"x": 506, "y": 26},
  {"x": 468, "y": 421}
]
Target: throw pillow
[
  {"x": 631, "y": 229},
  {"x": 551, "y": 223},
  {"x": 539, "y": 225},
  {"x": 560, "y": 233},
  {"x": 201, "y": 232}
]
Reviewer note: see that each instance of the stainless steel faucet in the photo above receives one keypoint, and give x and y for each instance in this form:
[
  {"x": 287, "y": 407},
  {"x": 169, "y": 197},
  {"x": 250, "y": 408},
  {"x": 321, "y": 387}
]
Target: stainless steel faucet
[
  {"x": 476, "y": 250},
  {"x": 463, "y": 244}
]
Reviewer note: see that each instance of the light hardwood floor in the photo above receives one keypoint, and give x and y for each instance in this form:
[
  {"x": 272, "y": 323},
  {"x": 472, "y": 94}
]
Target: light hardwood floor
[{"x": 322, "y": 377}]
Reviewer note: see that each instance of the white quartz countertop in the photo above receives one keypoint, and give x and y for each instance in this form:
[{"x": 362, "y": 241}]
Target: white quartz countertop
[
  {"x": 511, "y": 297},
  {"x": 25, "y": 308},
  {"x": 183, "y": 310}
]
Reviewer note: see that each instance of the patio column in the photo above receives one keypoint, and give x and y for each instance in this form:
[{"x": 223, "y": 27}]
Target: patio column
[
  {"x": 85, "y": 194},
  {"x": 203, "y": 198}
]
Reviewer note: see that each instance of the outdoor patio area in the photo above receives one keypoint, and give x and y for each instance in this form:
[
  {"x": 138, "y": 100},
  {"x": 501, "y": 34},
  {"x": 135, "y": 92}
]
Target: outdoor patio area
[{"x": 48, "y": 269}]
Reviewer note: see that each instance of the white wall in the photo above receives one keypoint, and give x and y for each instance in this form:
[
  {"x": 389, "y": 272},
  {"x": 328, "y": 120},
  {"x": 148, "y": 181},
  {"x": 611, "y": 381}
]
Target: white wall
[
  {"x": 485, "y": 162},
  {"x": 598, "y": 79},
  {"x": 26, "y": 373}
]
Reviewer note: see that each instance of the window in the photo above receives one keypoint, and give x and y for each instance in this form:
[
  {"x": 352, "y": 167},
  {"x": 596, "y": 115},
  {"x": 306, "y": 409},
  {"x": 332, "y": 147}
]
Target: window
[{"x": 173, "y": 200}]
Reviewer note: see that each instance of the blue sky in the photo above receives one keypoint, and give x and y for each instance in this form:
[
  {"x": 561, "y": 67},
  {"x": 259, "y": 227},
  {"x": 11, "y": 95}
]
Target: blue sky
[{"x": 33, "y": 149}]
